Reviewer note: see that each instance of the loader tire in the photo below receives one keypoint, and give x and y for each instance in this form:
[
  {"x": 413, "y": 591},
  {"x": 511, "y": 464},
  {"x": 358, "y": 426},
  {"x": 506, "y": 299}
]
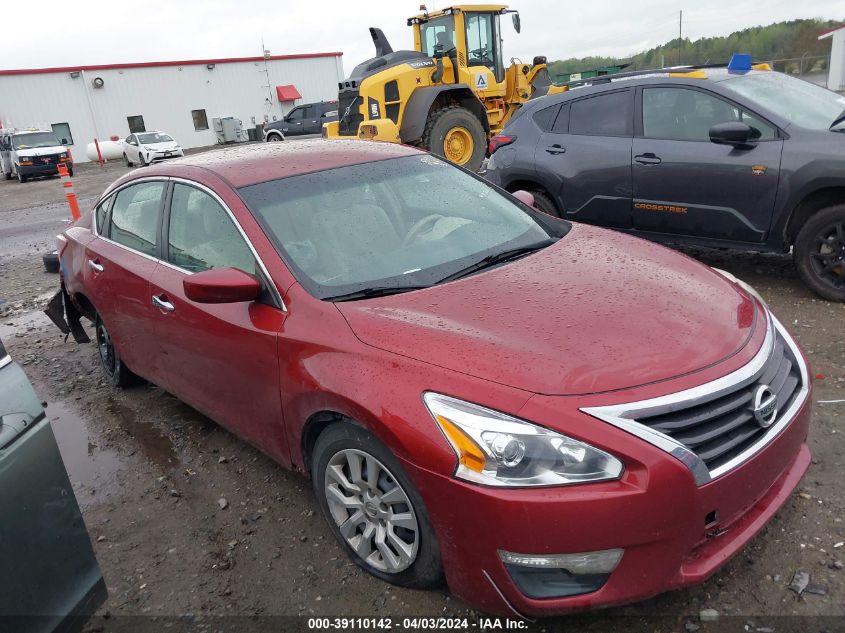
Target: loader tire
[{"x": 457, "y": 135}]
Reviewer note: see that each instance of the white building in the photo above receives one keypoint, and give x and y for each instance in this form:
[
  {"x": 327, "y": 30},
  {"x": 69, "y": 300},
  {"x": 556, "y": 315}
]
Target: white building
[
  {"x": 82, "y": 103},
  {"x": 836, "y": 72}
]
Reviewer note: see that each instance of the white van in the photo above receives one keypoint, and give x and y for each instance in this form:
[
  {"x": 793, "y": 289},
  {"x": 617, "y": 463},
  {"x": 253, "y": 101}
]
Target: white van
[{"x": 29, "y": 153}]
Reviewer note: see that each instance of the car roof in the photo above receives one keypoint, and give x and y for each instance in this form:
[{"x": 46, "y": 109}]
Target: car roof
[{"x": 244, "y": 165}]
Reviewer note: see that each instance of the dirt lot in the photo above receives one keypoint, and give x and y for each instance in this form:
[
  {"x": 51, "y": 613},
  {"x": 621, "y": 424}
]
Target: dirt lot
[{"x": 150, "y": 473}]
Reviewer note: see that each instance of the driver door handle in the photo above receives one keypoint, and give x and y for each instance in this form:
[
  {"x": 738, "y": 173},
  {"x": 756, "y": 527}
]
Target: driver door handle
[
  {"x": 96, "y": 266},
  {"x": 648, "y": 159},
  {"x": 556, "y": 149},
  {"x": 162, "y": 302}
]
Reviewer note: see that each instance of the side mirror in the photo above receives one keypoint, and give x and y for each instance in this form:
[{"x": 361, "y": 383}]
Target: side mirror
[
  {"x": 734, "y": 133},
  {"x": 64, "y": 141},
  {"x": 221, "y": 285},
  {"x": 517, "y": 25},
  {"x": 526, "y": 197}
]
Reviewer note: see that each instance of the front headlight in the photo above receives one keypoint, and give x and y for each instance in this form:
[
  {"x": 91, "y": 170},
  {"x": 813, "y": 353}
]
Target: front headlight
[{"x": 499, "y": 450}]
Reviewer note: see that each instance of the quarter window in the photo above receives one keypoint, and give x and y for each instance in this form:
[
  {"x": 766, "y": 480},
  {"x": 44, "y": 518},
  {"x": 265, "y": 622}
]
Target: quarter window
[
  {"x": 545, "y": 118},
  {"x": 134, "y": 216},
  {"x": 608, "y": 114},
  {"x": 102, "y": 212},
  {"x": 202, "y": 236},
  {"x": 685, "y": 114}
]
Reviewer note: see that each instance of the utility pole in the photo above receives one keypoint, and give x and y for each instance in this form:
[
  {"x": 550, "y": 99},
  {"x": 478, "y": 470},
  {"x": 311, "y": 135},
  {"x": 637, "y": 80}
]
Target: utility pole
[{"x": 680, "y": 34}]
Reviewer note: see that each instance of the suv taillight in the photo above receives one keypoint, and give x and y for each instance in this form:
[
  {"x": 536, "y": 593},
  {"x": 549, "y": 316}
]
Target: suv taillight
[{"x": 499, "y": 141}]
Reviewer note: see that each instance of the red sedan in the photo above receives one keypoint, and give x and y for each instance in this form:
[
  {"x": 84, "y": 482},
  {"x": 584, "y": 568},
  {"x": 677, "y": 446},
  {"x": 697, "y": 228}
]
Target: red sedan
[{"x": 548, "y": 415}]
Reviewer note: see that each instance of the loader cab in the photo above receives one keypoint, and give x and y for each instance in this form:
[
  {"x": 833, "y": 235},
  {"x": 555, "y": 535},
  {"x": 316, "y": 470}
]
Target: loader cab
[{"x": 470, "y": 38}]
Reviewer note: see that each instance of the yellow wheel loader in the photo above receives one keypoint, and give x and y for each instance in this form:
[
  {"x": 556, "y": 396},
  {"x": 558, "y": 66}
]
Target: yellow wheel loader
[{"x": 449, "y": 95}]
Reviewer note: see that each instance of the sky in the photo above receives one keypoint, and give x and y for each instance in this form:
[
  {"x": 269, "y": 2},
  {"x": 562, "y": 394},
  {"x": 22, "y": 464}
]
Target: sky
[{"x": 87, "y": 32}]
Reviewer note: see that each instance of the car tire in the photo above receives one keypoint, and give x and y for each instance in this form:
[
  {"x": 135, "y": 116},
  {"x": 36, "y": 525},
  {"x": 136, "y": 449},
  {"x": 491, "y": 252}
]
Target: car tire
[
  {"x": 21, "y": 177},
  {"x": 819, "y": 253},
  {"x": 126, "y": 160},
  {"x": 51, "y": 262},
  {"x": 341, "y": 445},
  {"x": 70, "y": 172},
  {"x": 8, "y": 175},
  {"x": 544, "y": 203},
  {"x": 141, "y": 161},
  {"x": 117, "y": 373},
  {"x": 274, "y": 138},
  {"x": 460, "y": 128}
]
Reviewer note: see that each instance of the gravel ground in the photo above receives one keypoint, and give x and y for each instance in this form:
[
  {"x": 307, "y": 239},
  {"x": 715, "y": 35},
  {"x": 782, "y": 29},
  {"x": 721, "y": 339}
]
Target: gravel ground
[{"x": 151, "y": 472}]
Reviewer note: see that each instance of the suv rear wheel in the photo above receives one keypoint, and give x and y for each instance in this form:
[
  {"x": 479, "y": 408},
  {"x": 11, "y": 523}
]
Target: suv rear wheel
[
  {"x": 819, "y": 252},
  {"x": 545, "y": 203}
]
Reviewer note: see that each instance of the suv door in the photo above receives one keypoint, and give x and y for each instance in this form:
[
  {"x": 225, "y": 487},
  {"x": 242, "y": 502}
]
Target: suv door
[
  {"x": 585, "y": 158},
  {"x": 311, "y": 123},
  {"x": 684, "y": 184},
  {"x": 118, "y": 270},
  {"x": 221, "y": 358}
]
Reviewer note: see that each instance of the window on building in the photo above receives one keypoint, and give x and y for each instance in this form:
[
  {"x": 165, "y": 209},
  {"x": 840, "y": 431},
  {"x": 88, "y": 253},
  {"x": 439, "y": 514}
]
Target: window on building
[
  {"x": 200, "y": 119},
  {"x": 202, "y": 236},
  {"x": 609, "y": 114},
  {"x": 62, "y": 132},
  {"x": 134, "y": 216},
  {"x": 136, "y": 123}
]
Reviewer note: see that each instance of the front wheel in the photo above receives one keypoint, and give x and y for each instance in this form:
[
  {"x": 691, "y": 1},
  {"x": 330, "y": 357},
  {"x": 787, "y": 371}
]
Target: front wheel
[
  {"x": 819, "y": 253},
  {"x": 126, "y": 160},
  {"x": 117, "y": 374},
  {"x": 274, "y": 138},
  {"x": 373, "y": 509},
  {"x": 457, "y": 135},
  {"x": 22, "y": 178}
]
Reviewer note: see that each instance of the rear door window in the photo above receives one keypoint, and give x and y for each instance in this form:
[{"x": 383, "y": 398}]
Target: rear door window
[
  {"x": 607, "y": 114},
  {"x": 202, "y": 236},
  {"x": 134, "y": 216}
]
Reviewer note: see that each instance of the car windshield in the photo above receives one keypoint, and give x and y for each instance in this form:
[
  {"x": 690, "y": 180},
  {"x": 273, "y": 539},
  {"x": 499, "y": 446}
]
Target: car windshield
[
  {"x": 405, "y": 222},
  {"x": 800, "y": 102},
  {"x": 154, "y": 137},
  {"x": 35, "y": 139}
]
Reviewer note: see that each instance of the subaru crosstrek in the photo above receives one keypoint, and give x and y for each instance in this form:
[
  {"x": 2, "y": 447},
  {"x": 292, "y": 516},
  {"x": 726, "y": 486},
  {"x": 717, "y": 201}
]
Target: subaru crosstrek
[
  {"x": 747, "y": 159},
  {"x": 550, "y": 415}
]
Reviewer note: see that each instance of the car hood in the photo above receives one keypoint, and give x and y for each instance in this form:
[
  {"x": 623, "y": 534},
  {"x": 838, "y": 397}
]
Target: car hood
[
  {"x": 162, "y": 146},
  {"x": 41, "y": 151},
  {"x": 598, "y": 311}
]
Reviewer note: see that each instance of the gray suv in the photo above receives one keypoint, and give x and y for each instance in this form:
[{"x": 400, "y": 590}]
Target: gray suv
[{"x": 750, "y": 159}]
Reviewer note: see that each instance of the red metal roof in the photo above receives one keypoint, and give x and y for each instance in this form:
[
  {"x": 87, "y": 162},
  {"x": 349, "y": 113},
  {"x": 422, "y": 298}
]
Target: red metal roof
[
  {"x": 287, "y": 92},
  {"x": 184, "y": 62},
  {"x": 827, "y": 32}
]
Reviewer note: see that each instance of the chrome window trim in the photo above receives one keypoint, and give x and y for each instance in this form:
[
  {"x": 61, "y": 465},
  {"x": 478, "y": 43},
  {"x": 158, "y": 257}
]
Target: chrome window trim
[
  {"x": 5, "y": 360},
  {"x": 191, "y": 183},
  {"x": 621, "y": 415}
]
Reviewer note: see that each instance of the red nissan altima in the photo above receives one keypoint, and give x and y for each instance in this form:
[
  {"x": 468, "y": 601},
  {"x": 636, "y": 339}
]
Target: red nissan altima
[{"x": 547, "y": 415}]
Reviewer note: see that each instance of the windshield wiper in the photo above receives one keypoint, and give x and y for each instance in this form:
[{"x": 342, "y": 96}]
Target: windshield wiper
[
  {"x": 375, "y": 291},
  {"x": 498, "y": 258}
]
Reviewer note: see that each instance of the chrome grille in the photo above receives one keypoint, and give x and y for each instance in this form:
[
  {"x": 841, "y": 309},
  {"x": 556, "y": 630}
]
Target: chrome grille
[
  {"x": 719, "y": 430},
  {"x": 712, "y": 428}
]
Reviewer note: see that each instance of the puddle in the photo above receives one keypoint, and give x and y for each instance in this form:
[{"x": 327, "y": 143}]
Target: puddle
[
  {"x": 153, "y": 443},
  {"x": 91, "y": 469}
]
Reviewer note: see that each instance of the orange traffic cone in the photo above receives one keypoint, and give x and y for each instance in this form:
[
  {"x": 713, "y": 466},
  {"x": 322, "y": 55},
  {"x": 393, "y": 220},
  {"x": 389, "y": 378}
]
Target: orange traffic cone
[{"x": 71, "y": 197}]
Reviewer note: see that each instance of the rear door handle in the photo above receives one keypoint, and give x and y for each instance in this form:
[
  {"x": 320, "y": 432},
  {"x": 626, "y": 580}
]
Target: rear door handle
[
  {"x": 556, "y": 149},
  {"x": 163, "y": 303},
  {"x": 96, "y": 266},
  {"x": 648, "y": 159}
]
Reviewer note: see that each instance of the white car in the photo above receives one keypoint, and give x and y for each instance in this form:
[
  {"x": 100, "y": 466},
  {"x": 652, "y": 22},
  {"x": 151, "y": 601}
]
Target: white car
[{"x": 144, "y": 148}]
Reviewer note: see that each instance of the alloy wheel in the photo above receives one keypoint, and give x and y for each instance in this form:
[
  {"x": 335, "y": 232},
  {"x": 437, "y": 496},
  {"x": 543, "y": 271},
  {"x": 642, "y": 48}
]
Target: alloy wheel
[
  {"x": 828, "y": 258},
  {"x": 106, "y": 349},
  {"x": 372, "y": 511}
]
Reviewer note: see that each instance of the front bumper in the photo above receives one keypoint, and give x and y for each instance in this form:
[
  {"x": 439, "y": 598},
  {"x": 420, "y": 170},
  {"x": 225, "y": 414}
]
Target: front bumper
[
  {"x": 157, "y": 157},
  {"x": 42, "y": 169},
  {"x": 655, "y": 512}
]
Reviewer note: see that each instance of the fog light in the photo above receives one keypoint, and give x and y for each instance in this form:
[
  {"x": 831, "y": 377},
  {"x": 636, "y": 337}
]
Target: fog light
[{"x": 560, "y": 575}]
